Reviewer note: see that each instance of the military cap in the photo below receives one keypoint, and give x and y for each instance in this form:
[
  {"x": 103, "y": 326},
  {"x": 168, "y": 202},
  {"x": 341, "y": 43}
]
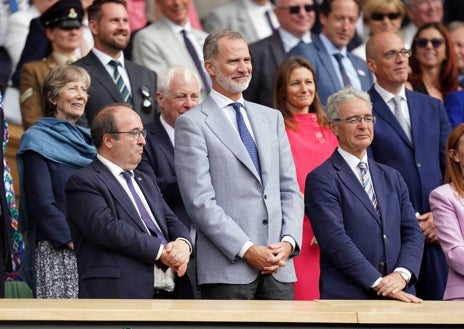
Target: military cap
[{"x": 66, "y": 14}]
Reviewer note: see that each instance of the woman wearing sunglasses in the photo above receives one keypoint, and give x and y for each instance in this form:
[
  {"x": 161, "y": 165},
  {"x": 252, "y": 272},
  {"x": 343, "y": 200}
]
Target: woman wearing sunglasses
[
  {"x": 433, "y": 62},
  {"x": 381, "y": 16}
]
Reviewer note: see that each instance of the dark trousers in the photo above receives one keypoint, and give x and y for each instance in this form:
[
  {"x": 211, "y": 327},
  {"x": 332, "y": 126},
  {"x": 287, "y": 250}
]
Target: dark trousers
[{"x": 264, "y": 287}]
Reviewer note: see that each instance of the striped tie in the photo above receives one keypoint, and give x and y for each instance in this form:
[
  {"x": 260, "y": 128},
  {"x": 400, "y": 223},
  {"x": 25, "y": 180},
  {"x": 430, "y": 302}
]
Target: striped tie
[
  {"x": 125, "y": 94},
  {"x": 196, "y": 60},
  {"x": 367, "y": 184}
]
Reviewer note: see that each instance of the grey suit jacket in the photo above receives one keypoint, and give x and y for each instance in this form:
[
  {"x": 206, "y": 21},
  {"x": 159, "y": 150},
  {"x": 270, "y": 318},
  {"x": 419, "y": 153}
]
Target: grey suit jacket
[
  {"x": 233, "y": 16},
  {"x": 158, "y": 47},
  {"x": 103, "y": 90},
  {"x": 225, "y": 196}
]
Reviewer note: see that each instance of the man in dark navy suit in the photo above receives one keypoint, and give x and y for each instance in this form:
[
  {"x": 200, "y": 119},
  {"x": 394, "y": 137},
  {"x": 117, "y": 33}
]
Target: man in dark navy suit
[
  {"x": 178, "y": 92},
  {"x": 410, "y": 137},
  {"x": 371, "y": 244},
  {"x": 128, "y": 242}
]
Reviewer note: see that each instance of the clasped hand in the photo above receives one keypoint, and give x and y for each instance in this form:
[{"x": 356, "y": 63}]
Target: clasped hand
[
  {"x": 176, "y": 255},
  {"x": 392, "y": 285},
  {"x": 268, "y": 259}
]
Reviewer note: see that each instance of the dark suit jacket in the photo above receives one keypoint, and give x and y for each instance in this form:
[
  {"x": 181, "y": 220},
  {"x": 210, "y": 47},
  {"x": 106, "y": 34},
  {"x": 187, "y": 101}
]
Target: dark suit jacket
[
  {"x": 326, "y": 76},
  {"x": 158, "y": 161},
  {"x": 421, "y": 165},
  {"x": 103, "y": 90},
  {"x": 36, "y": 47},
  {"x": 115, "y": 253},
  {"x": 266, "y": 55},
  {"x": 357, "y": 247}
]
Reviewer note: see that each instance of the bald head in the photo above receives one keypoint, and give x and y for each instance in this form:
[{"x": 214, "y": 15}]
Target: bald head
[{"x": 388, "y": 60}]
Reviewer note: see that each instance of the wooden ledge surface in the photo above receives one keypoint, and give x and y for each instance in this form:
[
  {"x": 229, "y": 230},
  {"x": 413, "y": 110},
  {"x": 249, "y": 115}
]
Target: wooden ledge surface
[
  {"x": 172, "y": 310},
  {"x": 394, "y": 312},
  {"x": 233, "y": 311}
]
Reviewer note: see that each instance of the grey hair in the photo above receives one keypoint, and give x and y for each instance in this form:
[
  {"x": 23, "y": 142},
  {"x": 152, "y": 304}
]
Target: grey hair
[
  {"x": 454, "y": 25},
  {"x": 167, "y": 75},
  {"x": 343, "y": 96},
  {"x": 211, "y": 45},
  {"x": 56, "y": 79}
]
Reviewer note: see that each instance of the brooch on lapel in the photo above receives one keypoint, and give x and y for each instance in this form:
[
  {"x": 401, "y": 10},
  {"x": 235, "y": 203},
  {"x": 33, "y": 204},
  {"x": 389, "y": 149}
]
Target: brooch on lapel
[{"x": 147, "y": 99}]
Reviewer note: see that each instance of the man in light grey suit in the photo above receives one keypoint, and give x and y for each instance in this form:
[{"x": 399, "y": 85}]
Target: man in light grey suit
[
  {"x": 161, "y": 44},
  {"x": 254, "y": 19},
  {"x": 248, "y": 212}
]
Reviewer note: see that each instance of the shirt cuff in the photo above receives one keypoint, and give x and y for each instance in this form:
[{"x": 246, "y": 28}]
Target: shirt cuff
[
  {"x": 376, "y": 282},
  {"x": 245, "y": 248},
  {"x": 405, "y": 271},
  {"x": 187, "y": 242},
  {"x": 289, "y": 239}
]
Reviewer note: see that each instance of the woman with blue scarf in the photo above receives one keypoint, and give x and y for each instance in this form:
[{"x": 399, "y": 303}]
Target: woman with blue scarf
[{"x": 50, "y": 151}]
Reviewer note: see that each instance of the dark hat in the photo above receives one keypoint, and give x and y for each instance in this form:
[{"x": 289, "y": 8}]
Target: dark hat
[{"x": 66, "y": 14}]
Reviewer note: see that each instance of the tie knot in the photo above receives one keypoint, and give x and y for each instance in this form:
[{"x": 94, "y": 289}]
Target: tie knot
[
  {"x": 127, "y": 175},
  {"x": 362, "y": 165},
  {"x": 338, "y": 57},
  {"x": 236, "y": 106},
  {"x": 114, "y": 63}
]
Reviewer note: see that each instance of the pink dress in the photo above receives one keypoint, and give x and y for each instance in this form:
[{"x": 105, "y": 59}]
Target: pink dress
[{"x": 311, "y": 145}]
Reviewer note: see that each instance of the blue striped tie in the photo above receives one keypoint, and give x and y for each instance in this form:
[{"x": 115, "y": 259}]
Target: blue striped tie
[
  {"x": 246, "y": 137},
  {"x": 367, "y": 184},
  {"x": 125, "y": 94}
]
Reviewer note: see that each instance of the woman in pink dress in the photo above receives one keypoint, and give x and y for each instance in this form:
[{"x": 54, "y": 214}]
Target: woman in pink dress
[{"x": 311, "y": 142}]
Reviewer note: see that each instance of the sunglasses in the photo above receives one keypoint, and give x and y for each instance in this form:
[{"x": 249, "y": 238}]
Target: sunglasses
[
  {"x": 381, "y": 16},
  {"x": 296, "y": 9},
  {"x": 423, "y": 42}
]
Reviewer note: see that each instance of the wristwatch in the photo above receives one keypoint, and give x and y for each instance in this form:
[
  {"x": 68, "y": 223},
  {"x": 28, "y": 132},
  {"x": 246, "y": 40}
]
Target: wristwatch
[{"x": 405, "y": 275}]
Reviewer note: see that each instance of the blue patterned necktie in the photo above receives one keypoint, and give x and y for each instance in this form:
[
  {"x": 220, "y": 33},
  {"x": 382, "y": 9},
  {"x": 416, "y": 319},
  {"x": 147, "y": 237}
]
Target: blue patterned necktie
[
  {"x": 345, "y": 78},
  {"x": 367, "y": 184},
  {"x": 142, "y": 210},
  {"x": 125, "y": 94},
  {"x": 196, "y": 60},
  {"x": 246, "y": 137}
]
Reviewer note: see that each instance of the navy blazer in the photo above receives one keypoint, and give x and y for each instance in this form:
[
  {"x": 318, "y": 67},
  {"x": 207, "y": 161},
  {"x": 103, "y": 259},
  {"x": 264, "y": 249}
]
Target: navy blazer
[
  {"x": 103, "y": 90},
  {"x": 422, "y": 164},
  {"x": 115, "y": 253},
  {"x": 158, "y": 161},
  {"x": 326, "y": 76},
  {"x": 266, "y": 56},
  {"x": 358, "y": 246}
]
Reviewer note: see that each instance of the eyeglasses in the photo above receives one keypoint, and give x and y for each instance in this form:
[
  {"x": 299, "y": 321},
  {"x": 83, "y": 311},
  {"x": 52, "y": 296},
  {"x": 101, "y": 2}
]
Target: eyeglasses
[
  {"x": 381, "y": 16},
  {"x": 423, "y": 42},
  {"x": 296, "y": 9},
  {"x": 354, "y": 120},
  {"x": 391, "y": 54},
  {"x": 135, "y": 134}
]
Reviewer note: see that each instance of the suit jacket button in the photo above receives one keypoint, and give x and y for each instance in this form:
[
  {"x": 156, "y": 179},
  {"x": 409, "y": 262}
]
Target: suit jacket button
[{"x": 264, "y": 221}]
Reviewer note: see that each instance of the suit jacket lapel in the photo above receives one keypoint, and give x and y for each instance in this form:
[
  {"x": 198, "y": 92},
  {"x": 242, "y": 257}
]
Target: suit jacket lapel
[
  {"x": 163, "y": 141},
  {"x": 219, "y": 124},
  {"x": 100, "y": 74},
  {"x": 147, "y": 190},
  {"x": 378, "y": 180},
  {"x": 382, "y": 110},
  {"x": 352, "y": 183},
  {"x": 418, "y": 122},
  {"x": 119, "y": 194},
  {"x": 324, "y": 57}
]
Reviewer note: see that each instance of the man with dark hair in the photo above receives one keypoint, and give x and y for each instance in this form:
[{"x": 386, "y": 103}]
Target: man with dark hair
[{"x": 114, "y": 78}]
